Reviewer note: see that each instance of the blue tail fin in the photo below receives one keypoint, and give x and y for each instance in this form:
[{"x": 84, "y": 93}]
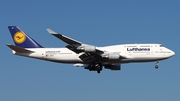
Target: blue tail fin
[{"x": 21, "y": 39}]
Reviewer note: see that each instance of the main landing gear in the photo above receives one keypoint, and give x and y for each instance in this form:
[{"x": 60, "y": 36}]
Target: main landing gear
[
  {"x": 98, "y": 71},
  {"x": 156, "y": 66},
  {"x": 95, "y": 67},
  {"x": 98, "y": 68}
]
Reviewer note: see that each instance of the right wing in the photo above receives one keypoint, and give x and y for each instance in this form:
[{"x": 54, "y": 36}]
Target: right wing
[
  {"x": 75, "y": 45},
  {"x": 89, "y": 52},
  {"x": 64, "y": 38}
]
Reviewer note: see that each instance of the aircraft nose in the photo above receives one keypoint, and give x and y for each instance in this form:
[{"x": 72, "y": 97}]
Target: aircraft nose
[{"x": 172, "y": 53}]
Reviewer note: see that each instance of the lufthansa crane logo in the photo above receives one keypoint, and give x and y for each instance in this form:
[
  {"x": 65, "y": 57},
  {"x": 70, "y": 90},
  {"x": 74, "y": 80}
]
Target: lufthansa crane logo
[{"x": 19, "y": 37}]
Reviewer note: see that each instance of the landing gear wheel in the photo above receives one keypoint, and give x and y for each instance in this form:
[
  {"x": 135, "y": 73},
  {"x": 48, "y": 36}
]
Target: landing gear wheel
[
  {"x": 156, "y": 66},
  {"x": 98, "y": 68},
  {"x": 98, "y": 71}
]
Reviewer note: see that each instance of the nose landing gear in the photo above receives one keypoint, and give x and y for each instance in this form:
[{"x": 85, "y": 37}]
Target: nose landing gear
[{"x": 156, "y": 66}]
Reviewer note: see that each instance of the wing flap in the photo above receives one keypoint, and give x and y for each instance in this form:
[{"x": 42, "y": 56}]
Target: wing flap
[{"x": 18, "y": 49}]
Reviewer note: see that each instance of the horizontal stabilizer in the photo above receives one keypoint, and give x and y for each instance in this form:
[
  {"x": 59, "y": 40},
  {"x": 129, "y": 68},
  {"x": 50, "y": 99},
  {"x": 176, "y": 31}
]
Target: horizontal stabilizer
[
  {"x": 18, "y": 49},
  {"x": 64, "y": 38}
]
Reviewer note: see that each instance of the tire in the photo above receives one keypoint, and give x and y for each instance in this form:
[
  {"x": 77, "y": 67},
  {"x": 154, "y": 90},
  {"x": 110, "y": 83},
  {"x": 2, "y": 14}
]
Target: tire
[{"x": 156, "y": 66}]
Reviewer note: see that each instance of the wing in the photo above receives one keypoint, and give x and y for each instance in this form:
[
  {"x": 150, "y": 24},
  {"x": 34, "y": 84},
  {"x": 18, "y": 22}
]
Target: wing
[
  {"x": 75, "y": 45},
  {"x": 89, "y": 53},
  {"x": 64, "y": 38}
]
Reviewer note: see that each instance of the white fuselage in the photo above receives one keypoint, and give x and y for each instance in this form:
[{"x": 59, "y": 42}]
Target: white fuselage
[{"x": 129, "y": 52}]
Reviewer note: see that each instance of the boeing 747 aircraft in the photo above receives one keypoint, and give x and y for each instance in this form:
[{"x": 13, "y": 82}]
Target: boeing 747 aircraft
[{"x": 90, "y": 57}]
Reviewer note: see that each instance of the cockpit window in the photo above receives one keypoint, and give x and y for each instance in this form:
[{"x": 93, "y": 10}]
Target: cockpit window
[{"x": 161, "y": 46}]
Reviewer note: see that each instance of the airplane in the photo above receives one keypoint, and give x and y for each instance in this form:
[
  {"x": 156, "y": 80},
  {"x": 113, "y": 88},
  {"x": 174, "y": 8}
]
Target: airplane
[{"x": 90, "y": 57}]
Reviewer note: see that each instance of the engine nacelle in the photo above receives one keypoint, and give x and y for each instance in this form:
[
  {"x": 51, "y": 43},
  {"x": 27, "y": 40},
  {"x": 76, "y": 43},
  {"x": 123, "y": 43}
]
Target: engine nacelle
[
  {"x": 112, "y": 56},
  {"x": 79, "y": 65},
  {"x": 91, "y": 68},
  {"x": 113, "y": 67},
  {"x": 87, "y": 48}
]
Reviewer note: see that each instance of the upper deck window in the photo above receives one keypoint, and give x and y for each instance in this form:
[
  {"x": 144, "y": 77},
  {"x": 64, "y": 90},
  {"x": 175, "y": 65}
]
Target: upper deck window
[
  {"x": 131, "y": 46},
  {"x": 144, "y": 46}
]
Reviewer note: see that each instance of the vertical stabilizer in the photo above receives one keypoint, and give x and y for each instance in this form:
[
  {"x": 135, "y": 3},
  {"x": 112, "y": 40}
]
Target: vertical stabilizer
[{"x": 21, "y": 39}]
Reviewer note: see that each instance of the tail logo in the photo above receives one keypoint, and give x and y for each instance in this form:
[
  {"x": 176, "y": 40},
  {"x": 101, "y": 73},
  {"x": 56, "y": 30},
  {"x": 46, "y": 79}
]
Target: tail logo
[{"x": 19, "y": 37}]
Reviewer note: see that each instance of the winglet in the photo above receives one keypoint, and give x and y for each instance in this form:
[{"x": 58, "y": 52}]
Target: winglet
[
  {"x": 64, "y": 38},
  {"x": 19, "y": 49},
  {"x": 51, "y": 31}
]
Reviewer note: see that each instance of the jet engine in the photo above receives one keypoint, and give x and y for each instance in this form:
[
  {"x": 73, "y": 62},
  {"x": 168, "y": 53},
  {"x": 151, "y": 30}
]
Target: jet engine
[
  {"x": 79, "y": 65},
  {"x": 113, "y": 67},
  {"x": 111, "y": 56},
  {"x": 87, "y": 48}
]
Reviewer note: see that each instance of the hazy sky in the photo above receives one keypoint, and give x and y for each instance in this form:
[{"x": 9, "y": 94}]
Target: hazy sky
[{"x": 96, "y": 22}]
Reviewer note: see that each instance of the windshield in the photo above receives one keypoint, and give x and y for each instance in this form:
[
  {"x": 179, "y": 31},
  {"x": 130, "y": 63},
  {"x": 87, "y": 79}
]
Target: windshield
[{"x": 161, "y": 46}]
